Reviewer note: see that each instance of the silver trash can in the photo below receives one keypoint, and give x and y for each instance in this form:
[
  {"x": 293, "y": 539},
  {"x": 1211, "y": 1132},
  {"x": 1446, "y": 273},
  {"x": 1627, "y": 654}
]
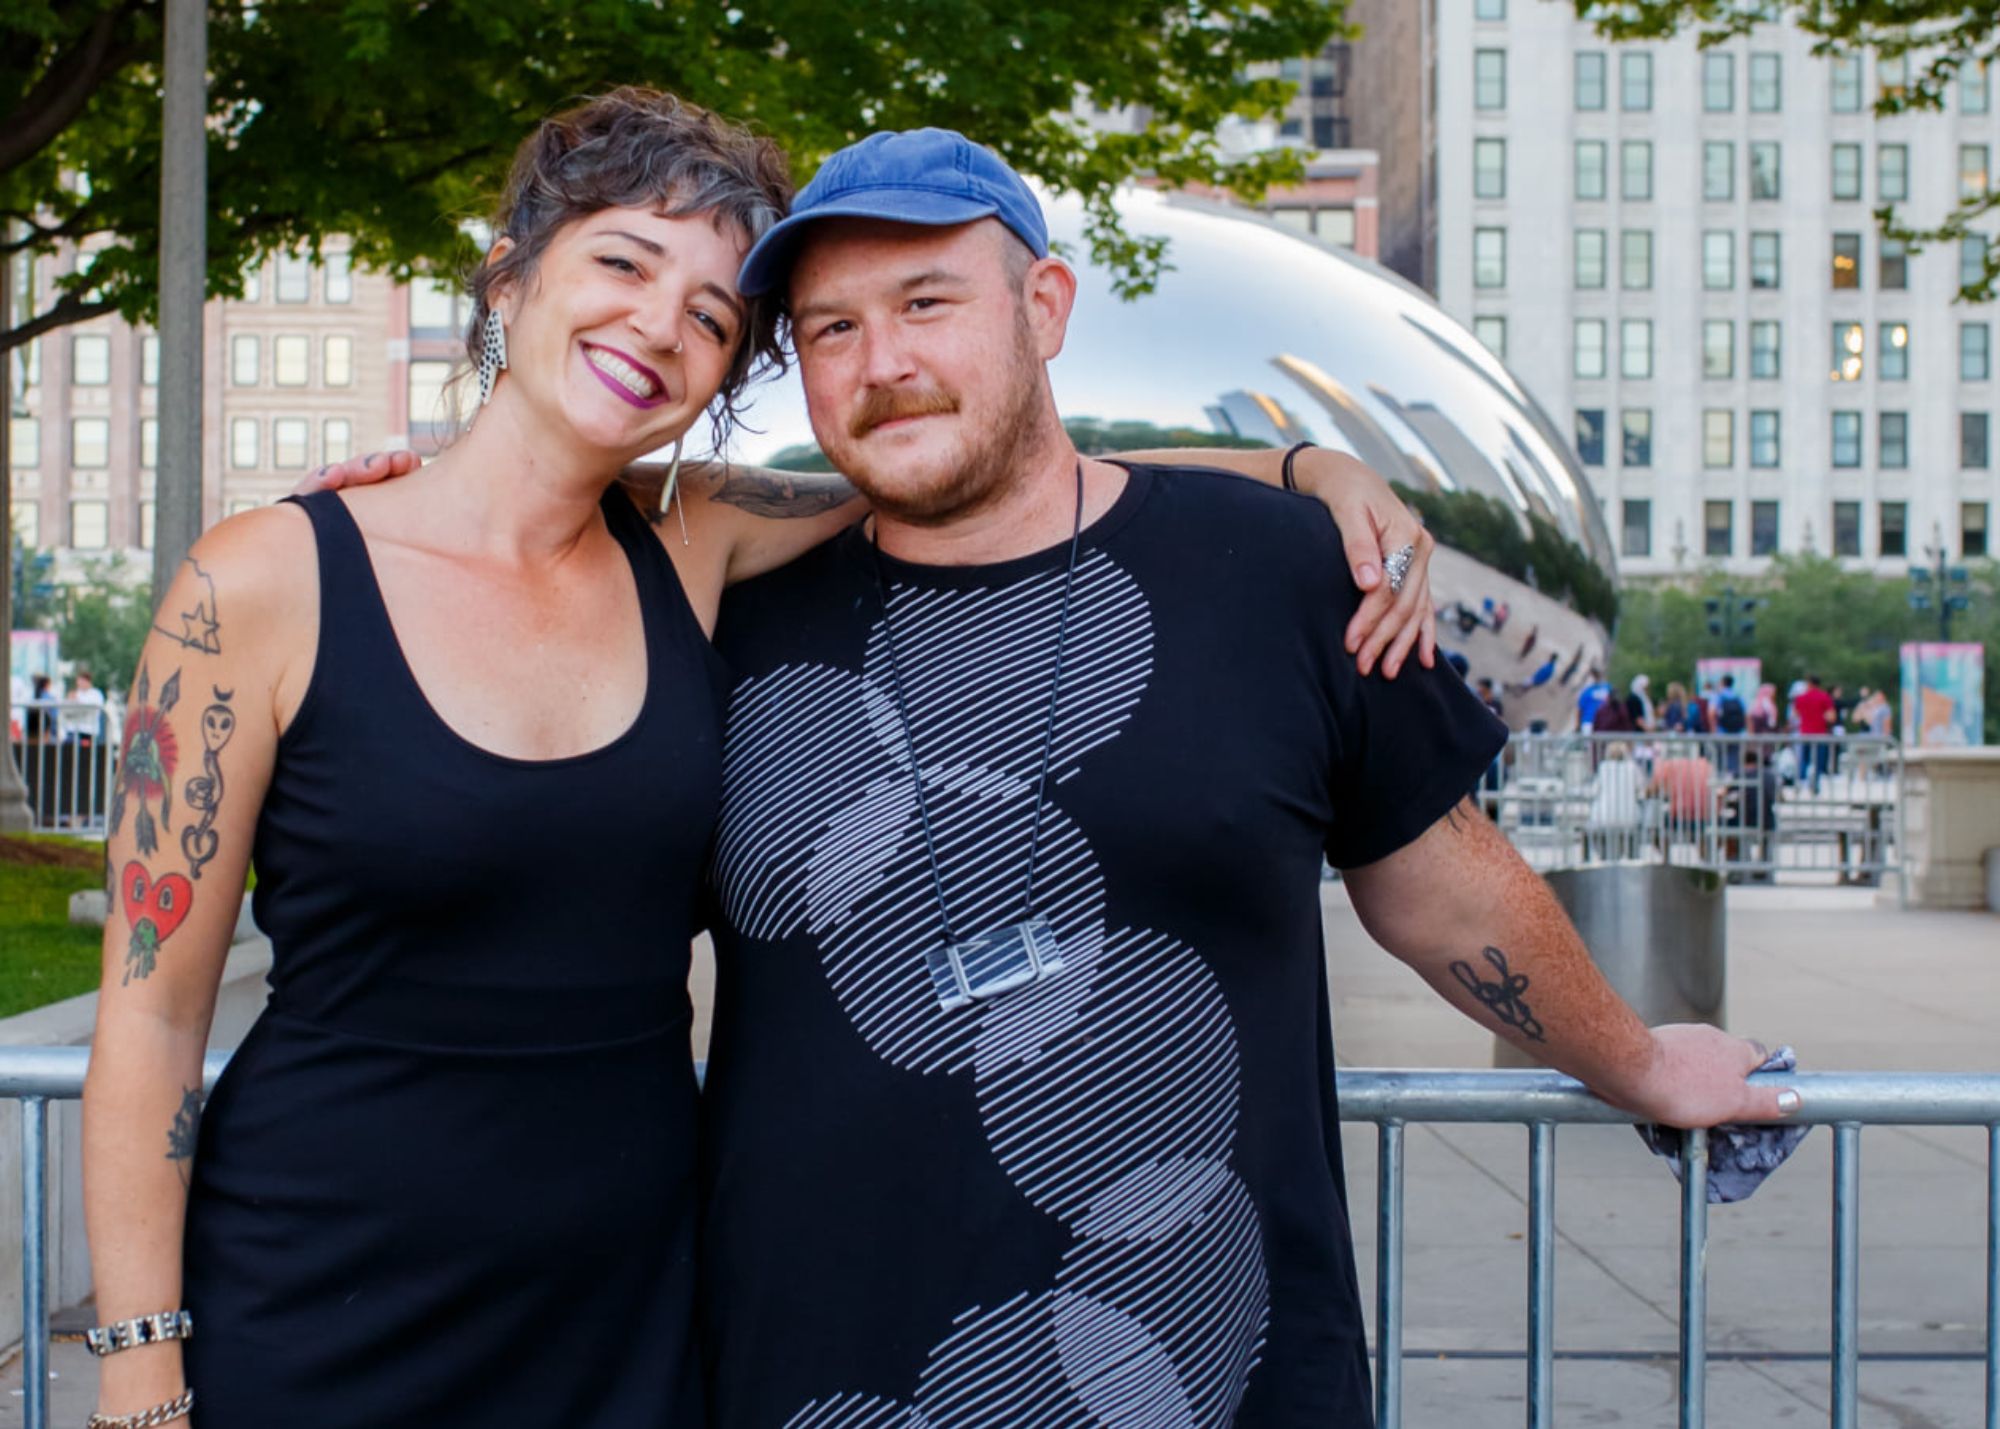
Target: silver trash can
[{"x": 1657, "y": 933}]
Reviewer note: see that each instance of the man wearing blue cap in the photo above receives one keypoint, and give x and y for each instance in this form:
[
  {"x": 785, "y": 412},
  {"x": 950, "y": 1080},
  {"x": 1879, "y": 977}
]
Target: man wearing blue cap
[{"x": 1020, "y": 1105}]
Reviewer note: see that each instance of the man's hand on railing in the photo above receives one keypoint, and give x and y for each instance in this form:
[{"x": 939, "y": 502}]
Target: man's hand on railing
[
  {"x": 1698, "y": 1078},
  {"x": 358, "y": 471}
]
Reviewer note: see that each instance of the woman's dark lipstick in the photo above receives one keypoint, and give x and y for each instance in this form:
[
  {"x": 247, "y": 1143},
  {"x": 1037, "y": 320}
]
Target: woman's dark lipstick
[{"x": 619, "y": 387}]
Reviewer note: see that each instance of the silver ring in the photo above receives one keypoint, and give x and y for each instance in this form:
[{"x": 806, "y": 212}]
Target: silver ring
[{"x": 1397, "y": 567}]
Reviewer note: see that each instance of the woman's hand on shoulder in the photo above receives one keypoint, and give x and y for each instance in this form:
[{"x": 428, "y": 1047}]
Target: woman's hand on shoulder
[{"x": 1375, "y": 526}]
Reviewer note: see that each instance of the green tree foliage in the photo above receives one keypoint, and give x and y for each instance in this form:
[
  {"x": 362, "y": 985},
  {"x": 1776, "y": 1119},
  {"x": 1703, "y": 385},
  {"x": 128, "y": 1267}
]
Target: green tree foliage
[
  {"x": 37, "y": 597},
  {"x": 1847, "y": 627},
  {"x": 1939, "y": 38},
  {"x": 103, "y": 621},
  {"x": 393, "y": 121}
]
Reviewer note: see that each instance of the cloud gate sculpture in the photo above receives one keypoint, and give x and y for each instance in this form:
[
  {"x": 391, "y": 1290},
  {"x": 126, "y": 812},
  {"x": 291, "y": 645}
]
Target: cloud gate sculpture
[{"x": 1262, "y": 337}]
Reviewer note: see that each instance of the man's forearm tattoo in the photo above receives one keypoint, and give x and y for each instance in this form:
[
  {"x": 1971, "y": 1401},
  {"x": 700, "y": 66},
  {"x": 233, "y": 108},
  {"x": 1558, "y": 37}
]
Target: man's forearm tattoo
[
  {"x": 200, "y": 628},
  {"x": 782, "y": 495},
  {"x": 146, "y": 760},
  {"x": 203, "y": 793},
  {"x": 154, "y": 908},
  {"x": 1504, "y": 996},
  {"x": 185, "y": 1131}
]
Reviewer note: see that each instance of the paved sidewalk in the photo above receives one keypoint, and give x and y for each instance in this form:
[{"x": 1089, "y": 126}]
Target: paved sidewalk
[{"x": 1856, "y": 987}]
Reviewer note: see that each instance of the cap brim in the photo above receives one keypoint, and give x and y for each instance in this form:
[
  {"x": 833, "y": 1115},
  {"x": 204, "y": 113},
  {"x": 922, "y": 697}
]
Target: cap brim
[{"x": 770, "y": 258}]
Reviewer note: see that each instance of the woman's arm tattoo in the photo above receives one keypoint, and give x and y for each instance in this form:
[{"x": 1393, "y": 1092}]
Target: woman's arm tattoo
[
  {"x": 203, "y": 793},
  {"x": 1503, "y": 996},
  {"x": 200, "y": 628},
  {"x": 183, "y": 1134},
  {"x": 783, "y": 495}
]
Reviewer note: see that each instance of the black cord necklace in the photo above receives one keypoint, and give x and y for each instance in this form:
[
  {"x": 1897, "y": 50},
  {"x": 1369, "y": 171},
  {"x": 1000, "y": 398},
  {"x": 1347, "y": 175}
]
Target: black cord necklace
[{"x": 1013, "y": 955}]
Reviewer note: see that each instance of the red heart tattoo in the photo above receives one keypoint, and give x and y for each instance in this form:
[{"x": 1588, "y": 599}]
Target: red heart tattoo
[{"x": 165, "y": 902}]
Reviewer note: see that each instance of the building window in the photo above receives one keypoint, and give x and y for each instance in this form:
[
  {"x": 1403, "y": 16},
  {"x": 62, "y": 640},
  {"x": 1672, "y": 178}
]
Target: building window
[
  {"x": 1590, "y": 258},
  {"x": 339, "y": 271},
  {"x": 1587, "y": 346},
  {"x": 1635, "y": 348},
  {"x": 1892, "y": 440},
  {"x": 1892, "y": 266},
  {"x": 1718, "y": 259},
  {"x": 1764, "y": 171},
  {"x": 434, "y": 308},
  {"x": 27, "y": 364},
  {"x": 1974, "y": 95},
  {"x": 24, "y": 443},
  {"x": 429, "y": 411},
  {"x": 1492, "y": 333},
  {"x": 1718, "y": 528},
  {"x": 337, "y": 362},
  {"x": 1764, "y": 344},
  {"x": 1972, "y": 440},
  {"x": 1638, "y": 529},
  {"x": 1635, "y": 81},
  {"x": 1764, "y": 261},
  {"x": 1847, "y": 528},
  {"x": 90, "y": 360},
  {"x": 1975, "y": 352},
  {"x": 149, "y": 360},
  {"x": 90, "y": 442},
  {"x": 1590, "y": 168},
  {"x": 1489, "y": 10},
  {"x": 1590, "y": 79},
  {"x": 1764, "y": 443},
  {"x": 1846, "y": 260},
  {"x": 90, "y": 525},
  {"x": 1718, "y": 347},
  {"x": 291, "y": 359},
  {"x": 253, "y": 284},
  {"x": 1849, "y": 344},
  {"x": 1590, "y": 435},
  {"x": 1489, "y": 257},
  {"x": 1763, "y": 528},
  {"x": 149, "y": 443},
  {"x": 1766, "y": 89},
  {"x": 1718, "y": 438},
  {"x": 294, "y": 278},
  {"x": 243, "y": 443},
  {"x": 1635, "y": 259},
  {"x": 1335, "y": 226},
  {"x": 1972, "y": 528},
  {"x": 245, "y": 359},
  {"x": 1844, "y": 83},
  {"x": 288, "y": 443},
  {"x": 1892, "y": 172},
  {"x": 1718, "y": 171},
  {"x": 27, "y": 519},
  {"x": 1971, "y": 260},
  {"x": 1847, "y": 439},
  {"x": 1635, "y": 169},
  {"x": 1972, "y": 161},
  {"x": 1846, "y": 172},
  {"x": 1892, "y": 537},
  {"x": 1637, "y": 427},
  {"x": 1489, "y": 168},
  {"x": 1329, "y": 130},
  {"x": 1892, "y": 75},
  {"x": 1892, "y": 356},
  {"x": 1489, "y": 79},
  {"x": 336, "y": 440},
  {"x": 1718, "y": 82}
]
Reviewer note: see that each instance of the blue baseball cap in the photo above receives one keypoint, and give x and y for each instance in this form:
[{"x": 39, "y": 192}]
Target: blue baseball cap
[{"x": 931, "y": 177}]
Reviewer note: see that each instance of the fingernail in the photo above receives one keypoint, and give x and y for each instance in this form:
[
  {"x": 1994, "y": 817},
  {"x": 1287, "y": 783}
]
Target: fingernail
[
  {"x": 1788, "y": 1101},
  {"x": 1368, "y": 575}
]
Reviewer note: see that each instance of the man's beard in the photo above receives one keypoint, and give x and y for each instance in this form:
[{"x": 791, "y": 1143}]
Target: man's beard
[{"x": 995, "y": 457}]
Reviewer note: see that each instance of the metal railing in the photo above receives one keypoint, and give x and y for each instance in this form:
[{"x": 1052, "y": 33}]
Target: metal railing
[
  {"x": 1392, "y": 1100},
  {"x": 67, "y": 756},
  {"x": 1766, "y": 806}
]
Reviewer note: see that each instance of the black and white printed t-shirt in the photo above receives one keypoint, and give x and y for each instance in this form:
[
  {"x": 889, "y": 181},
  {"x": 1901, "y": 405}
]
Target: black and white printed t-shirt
[{"x": 1112, "y": 1197}]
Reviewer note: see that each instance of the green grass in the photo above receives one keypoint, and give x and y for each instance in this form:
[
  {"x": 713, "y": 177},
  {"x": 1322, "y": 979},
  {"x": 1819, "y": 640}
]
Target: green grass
[{"x": 43, "y": 957}]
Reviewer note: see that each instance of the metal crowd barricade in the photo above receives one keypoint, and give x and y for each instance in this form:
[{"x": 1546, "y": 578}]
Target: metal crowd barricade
[
  {"x": 1763, "y": 806},
  {"x": 67, "y": 755},
  {"x": 1392, "y": 1100}
]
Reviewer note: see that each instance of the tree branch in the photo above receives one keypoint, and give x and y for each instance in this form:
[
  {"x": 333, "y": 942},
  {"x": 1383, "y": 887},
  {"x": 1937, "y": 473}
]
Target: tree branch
[
  {"x": 78, "y": 225},
  {"x": 52, "y": 104},
  {"x": 69, "y": 308}
]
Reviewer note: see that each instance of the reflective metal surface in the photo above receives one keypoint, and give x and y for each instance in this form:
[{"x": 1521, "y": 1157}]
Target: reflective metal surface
[{"x": 1262, "y": 337}]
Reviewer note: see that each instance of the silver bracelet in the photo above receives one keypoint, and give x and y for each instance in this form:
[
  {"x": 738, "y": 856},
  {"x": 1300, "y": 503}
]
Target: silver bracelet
[
  {"x": 139, "y": 1330},
  {"x": 178, "y": 1407}
]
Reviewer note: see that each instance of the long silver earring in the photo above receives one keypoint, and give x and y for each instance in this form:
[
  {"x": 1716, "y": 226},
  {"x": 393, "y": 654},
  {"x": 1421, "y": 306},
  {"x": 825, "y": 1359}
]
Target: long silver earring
[
  {"x": 670, "y": 494},
  {"x": 492, "y": 354}
]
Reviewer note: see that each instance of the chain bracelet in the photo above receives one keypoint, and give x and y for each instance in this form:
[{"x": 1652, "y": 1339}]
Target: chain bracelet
[{"x": 178, "y": 1407}]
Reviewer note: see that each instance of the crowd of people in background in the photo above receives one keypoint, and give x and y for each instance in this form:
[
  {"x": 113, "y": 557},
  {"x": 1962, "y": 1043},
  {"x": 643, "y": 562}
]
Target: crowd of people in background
[{"x": 45, "y": 713}]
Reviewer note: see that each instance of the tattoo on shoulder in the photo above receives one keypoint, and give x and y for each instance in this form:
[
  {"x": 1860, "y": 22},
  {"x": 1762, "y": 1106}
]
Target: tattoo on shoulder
[
  {"x": 200, "y": 627},
  {"x": 203, "y": 793},
  {"x": 782, "y": 495},
  {"x": 146, "y": 760},
  {"x": 1504, "y": 995},
  {"x": 183, "y": 1134},
  {"x": 154, "y": 909}
]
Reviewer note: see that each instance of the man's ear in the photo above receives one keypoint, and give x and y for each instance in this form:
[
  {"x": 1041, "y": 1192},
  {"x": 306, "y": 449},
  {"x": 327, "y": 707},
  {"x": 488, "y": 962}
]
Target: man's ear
[{"x": 1048, "y": 294}]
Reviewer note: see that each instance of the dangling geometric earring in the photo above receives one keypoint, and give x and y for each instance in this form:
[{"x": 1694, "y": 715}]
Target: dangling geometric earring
[
  {"x": 671, "y": 491},
  {"x": 492, "y": 354}
]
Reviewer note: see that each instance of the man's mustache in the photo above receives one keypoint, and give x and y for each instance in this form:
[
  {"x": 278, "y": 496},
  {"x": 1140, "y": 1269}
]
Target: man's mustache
[{"x": 888, "y": 404}]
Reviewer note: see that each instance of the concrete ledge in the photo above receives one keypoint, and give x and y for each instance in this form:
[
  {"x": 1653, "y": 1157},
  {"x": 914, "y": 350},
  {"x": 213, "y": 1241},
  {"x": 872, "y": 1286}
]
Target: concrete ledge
[{"x": 1951, "y": 813}]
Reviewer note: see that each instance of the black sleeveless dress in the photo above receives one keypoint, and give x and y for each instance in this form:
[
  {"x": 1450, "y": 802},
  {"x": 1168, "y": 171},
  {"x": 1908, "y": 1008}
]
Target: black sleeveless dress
[{"x": 447, "y": 1179}]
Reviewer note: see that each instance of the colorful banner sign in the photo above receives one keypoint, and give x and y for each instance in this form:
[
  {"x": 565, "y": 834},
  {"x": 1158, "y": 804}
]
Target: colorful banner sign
[{"x": 1944, "y": 693}]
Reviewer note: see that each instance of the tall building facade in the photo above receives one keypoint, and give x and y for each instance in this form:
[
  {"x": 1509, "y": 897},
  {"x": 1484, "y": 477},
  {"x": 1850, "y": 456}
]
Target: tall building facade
[
  {"x": 317, "y": 362},
  {"x": 1675, "y": 248}
]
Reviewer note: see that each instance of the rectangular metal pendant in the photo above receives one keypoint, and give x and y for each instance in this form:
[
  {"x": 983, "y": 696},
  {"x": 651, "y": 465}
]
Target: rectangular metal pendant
[{"x": 994, "y": 962}]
